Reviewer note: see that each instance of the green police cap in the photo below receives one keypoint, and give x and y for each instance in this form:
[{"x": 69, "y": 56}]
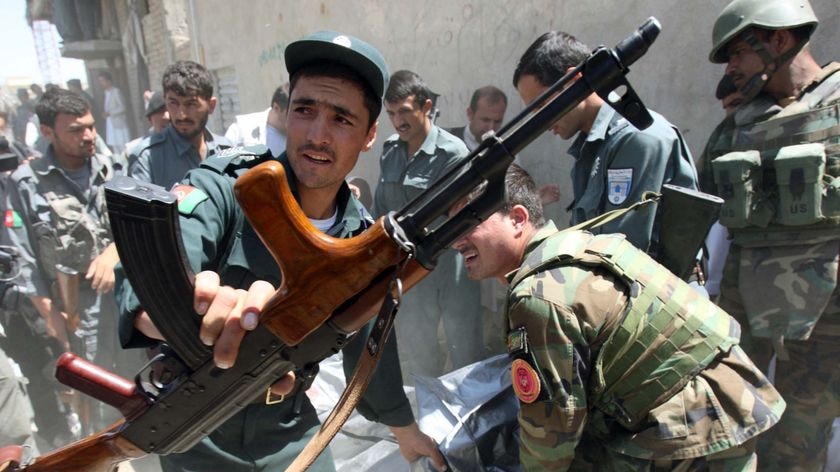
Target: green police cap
[
  {"x": 330, "y": 46},
  {"x": 768, "y": 14}
]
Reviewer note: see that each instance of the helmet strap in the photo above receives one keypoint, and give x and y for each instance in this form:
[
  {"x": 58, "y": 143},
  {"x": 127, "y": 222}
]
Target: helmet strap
[{"x": 756, "y": 83}]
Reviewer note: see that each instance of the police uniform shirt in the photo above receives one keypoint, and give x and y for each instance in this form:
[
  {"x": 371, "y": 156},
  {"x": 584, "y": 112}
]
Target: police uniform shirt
[
  {"x": 403, "y": 177},
  {"x": 615, "y": 163},
  {"x": 164, "y": 158},
  {"x": 217, "y": 237}
]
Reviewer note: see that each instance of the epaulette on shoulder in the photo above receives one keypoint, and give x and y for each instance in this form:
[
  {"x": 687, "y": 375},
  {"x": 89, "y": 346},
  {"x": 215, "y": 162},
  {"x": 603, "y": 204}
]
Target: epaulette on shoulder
[
  {"x": 148, "y": 142},
  {"x": 237, "y": 157}
]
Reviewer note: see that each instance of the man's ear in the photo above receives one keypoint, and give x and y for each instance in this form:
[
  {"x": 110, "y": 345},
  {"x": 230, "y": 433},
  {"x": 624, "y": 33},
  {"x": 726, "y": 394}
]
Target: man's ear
[
  {"x": 211, "y": 104},
  {"x": 371, "y": 137},
  {"x": 427, "y": 107},
  {"x": 47, "y": 132},
  {"x": 519, "y": 215},
  {"x": 470, "y": 114},
  {"x": 782, "y": 40}
]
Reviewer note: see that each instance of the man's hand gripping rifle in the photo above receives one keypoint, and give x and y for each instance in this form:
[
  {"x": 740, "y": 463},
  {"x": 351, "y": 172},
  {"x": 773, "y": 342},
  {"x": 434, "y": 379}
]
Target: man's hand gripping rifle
[{"x": 319, "y": 302}]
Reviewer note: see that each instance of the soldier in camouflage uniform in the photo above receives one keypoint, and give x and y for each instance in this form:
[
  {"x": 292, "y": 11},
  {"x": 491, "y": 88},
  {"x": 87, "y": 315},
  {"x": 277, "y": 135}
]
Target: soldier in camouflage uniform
[
  {"x": 58, "y": 216},
  {"x": 777, "y": 165},
  {"x": 618, "y": 364}
]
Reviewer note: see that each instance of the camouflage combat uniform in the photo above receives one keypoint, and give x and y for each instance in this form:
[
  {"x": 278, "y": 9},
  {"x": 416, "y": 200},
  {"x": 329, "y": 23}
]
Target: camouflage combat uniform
[
  {"x": 621, "y": 366},
  {"x": 780, "y": 280}
]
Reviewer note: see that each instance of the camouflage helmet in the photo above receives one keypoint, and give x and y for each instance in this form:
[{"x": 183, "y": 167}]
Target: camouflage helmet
[{"x": 768, "y": 14}]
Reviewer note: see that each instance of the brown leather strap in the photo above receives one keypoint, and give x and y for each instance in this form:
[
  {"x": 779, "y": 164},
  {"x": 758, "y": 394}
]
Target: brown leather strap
[{"x": 355, "y": 387}]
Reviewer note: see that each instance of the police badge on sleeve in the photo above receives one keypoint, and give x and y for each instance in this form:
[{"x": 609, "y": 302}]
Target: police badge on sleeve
[{"x": 618, "y": 185}]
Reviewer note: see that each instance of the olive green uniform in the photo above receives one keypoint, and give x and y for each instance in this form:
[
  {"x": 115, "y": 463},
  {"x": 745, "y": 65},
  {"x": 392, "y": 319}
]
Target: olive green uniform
[
  {"x": 217, "y": 237},
  {"x": 620, "y": 365}
]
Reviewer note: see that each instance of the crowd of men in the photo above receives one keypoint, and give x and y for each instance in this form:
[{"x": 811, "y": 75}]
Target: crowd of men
[{"x": 617, "y": 363}]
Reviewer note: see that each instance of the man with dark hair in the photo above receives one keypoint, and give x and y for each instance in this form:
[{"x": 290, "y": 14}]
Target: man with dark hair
[
  {"x": 75, "y": 85},
  {"x": 617, "y": 364},
  {"x": 485, "y": 113},
  {"x": 265, "y": 127},
  {"x": 411, "y": 161},
  {"x": 158, "y": 117},
  {"x": 59, "y": 219},
  {"x": 336, "y": 83},
  {"x": 615, "y": 163},
  {"x": 781, "y": 280},
  {"x": 164, "y": 158}
]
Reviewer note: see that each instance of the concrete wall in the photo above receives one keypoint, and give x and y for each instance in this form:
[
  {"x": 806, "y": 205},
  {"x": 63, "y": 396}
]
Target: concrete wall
[{"x": 459, "y": 45}]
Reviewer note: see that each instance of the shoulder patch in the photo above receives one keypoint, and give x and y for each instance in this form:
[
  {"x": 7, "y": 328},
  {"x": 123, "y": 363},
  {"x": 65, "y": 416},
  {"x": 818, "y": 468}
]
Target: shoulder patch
[
  {"x": 246, "y": 153},
  {"x": 525, "y": 380},
  {"x": 517, "y": 341},
  {"x": 525, "y": 373},
  {"x": 619, "y": 182},
  {"x": 12, "y": 219},
  {"x": 230, "y": 160},
  {"x": 188, "y": 198}
]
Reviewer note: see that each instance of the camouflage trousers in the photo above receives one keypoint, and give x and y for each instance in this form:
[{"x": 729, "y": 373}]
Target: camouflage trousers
[
  {"x": 809, "y": 381},
  {"x": 736, "y": 459}
]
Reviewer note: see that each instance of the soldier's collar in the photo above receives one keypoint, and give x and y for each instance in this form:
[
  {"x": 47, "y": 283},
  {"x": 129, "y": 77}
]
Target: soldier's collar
[
  {"x": 429, "y": 145},
  {"x": 601, "y": 125},
  {"x": 348, "y": 207},
  {"x": 182, "y": 144},
  {"x": 48, "y": 163}
]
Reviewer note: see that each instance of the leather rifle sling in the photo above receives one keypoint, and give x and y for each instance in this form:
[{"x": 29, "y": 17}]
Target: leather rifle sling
[{"x": 355, "y": 386}]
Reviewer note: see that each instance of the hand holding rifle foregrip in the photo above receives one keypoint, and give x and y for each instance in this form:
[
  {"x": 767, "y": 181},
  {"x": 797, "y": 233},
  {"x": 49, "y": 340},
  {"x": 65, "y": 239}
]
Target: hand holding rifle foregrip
[{"x": 320, "y": 301}]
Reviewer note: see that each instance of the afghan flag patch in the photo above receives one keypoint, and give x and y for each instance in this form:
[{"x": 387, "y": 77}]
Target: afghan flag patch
[
  {"x": 188, "y": 198},
  {"x": 12, "y": 219}
]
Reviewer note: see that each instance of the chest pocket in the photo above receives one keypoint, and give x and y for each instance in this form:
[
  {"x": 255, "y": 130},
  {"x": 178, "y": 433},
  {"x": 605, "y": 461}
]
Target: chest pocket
[
  {"x": 72, "y": 237},
  {"x": 250, "y": 261}
]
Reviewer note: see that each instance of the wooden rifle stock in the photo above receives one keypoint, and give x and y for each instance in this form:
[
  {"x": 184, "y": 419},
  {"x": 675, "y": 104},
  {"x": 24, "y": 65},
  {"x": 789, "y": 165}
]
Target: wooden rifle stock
[
  {"x": 101, "y": 452},
  {"x": 320, "y": 273},
  {"x": 105, "y": 450}
]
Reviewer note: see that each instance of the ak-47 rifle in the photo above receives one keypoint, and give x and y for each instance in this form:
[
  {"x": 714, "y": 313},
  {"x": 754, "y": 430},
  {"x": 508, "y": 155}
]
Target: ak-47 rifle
[{"x": 319, "y": 301}]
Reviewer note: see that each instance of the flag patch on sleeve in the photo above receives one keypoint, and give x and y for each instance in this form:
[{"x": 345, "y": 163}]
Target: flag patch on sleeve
[
  {"x": 12, "y": 219},
  {"x": 188, "y": 198}
]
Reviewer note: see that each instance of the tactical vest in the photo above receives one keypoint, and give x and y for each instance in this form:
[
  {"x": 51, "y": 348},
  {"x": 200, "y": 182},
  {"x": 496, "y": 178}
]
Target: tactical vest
[
  {"x": 780, "y": 179},
  {"x": 782, "y": 174},
  {"x": 667, "y": 335},
  {"x": 75, "y": 231}
]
